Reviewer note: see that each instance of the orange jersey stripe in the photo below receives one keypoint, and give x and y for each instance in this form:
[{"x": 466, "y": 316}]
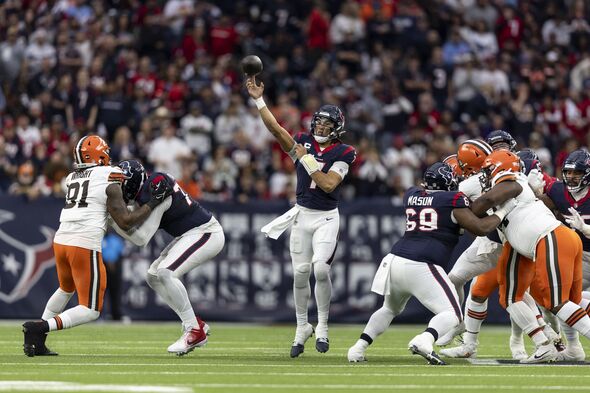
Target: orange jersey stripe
[
  {"x": 506, "y": 177},
  {"x": 117, "y": 177}
]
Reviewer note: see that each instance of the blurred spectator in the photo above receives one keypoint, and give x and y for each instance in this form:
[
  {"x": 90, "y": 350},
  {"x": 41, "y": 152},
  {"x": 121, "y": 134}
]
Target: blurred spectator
[
  {"x": 12, "y": 54},
  {"x": 167, "y": 152},
  {"x": 187, "y": 179},
  {"x": 26, "y": 183},
  {"x": 197, "y": 129}
]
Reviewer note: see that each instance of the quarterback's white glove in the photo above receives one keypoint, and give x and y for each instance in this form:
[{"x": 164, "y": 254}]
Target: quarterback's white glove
[
  {"x": 577, "y": 222},
  {"x": 536, "y": 181},
  {"x": 505, "y": 208}
]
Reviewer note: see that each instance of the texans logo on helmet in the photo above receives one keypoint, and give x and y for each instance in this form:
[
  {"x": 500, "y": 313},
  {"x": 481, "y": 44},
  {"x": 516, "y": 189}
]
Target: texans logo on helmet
[{"x": 21, "y": 264}]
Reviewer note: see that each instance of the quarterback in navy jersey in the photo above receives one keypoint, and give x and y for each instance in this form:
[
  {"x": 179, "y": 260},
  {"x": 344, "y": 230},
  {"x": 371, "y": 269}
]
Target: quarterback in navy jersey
[
  {"x": 571, "y": 198},
  {"x": 198, "y": 238},
  {"x": 416, "y": 265},
  {"x": 322, "y": 161}
]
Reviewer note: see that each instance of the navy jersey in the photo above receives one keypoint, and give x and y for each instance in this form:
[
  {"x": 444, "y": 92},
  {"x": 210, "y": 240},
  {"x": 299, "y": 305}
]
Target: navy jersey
[
  {"x": 430, "y": 233},
  {"x": 308, "y": 193},
  {"x": 183, "y": 215},
  {"x": 563, "y": 200}
]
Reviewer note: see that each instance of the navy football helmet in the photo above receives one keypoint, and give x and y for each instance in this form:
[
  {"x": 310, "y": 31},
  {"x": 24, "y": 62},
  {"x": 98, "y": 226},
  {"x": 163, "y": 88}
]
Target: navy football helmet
[
  {"x": 333, "y": 114},
  {"x": 136, "y": 176},
  {"x": 501, "y": 136},
  {"x": 440, "y": 177},
  {"x": 528, "y": 156},
  {"x": 579, "y": 161}
]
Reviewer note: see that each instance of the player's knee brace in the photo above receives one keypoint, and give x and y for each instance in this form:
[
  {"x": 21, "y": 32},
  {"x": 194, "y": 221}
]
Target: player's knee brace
[
  {"x": 301, "y": 275},
  {"x": 152, "y": 280},
  {"x": 321, "y": 271}
]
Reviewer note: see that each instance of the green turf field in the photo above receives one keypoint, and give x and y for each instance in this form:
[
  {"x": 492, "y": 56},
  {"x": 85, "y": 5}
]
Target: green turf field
[{"x": 105, "y": 357}]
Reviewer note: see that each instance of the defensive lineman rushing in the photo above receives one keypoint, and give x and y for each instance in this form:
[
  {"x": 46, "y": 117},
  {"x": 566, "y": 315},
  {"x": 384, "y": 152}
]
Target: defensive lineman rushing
[
  {"x": 539, "y": 253},
  {"x": 415, "y": 266},
  {"x": 198, "y": 239},
  {"x": 322, "y": 162},
  {"x": 480, "y": 258},
  {"x": 93, "y": 192}
]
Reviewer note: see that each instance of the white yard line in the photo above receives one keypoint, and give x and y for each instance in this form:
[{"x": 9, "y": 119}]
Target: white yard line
[{"x": 53, "y": 386}]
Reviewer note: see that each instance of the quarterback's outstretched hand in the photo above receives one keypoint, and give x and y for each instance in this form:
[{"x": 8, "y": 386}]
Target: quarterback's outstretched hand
[
  {"x": 160, "y": 189},
  {"x": 255, "y": 90},
  {"x": 577, "y": 222}
]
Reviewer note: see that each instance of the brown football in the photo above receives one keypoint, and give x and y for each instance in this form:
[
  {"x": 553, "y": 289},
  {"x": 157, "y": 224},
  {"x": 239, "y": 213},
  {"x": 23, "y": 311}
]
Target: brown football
[{"x": 251, "y": 65}]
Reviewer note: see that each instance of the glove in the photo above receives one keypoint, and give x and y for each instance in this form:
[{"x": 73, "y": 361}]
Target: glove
[
  {"x": 577, "y": 222},
  {"x": 536, "y": 181},
  {"x": 160, "y": 189},
  {"x": 504, "y": 209}
]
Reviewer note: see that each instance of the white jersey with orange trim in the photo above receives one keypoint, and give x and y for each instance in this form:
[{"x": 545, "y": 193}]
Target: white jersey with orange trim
[
  {"x": 529, "y": 221},
  {"x": 83, "y": 220}
]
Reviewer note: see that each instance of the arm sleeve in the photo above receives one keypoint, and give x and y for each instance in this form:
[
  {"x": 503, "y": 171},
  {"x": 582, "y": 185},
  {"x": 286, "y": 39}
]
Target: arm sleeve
[
  {"x": 140, "y": 236},
  {"x": 340, "y": 167}
]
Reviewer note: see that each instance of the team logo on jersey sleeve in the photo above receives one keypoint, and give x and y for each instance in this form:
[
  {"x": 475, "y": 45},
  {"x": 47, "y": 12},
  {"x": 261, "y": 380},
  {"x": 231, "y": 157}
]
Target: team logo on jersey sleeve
[{"x": 21, "y": 264}]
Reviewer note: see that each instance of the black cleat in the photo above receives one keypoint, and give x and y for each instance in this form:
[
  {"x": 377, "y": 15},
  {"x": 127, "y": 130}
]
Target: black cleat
[
  {"x": 431, "y": 357},
  {"x": 296, "y": 350},
  {"x": 34, "y": 339},
  {"x": 322, "y": 345}
]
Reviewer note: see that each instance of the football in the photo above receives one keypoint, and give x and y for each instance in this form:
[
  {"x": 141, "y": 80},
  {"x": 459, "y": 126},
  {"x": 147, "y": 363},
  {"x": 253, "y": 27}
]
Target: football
[{"x": 251, "y": 65}]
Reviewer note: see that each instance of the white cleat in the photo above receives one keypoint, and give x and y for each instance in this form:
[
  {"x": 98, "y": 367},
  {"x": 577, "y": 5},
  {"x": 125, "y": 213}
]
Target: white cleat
[
  {"x": 545, "y": 353},
  {"x": 301, "y": 336},
  {"x": 420, "y": 345},
  {"x": 356, "y": 354},
  {"x": 463, "y": 351},
  {"x": 572, "y": 354},
  {"x": 190, "y": 339}
]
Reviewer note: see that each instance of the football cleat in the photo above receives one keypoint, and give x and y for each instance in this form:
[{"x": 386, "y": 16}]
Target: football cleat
[
  {"x": 301, "y": 336},
  {"x": 190, "y": 339},
  {"x": 322, "y": 345},
  {"x": 420, "y": 345},
  {"x": 42, "y": 350},
  {"x": 559, "y": 345},
  {"x": 464, "y": 351},
  {"x": 545, "y": 353},
  {"x": 446, "y": 338},
  {"x": 33, "y": 337},
  {"x": 206, "y": 327},
  {"x": 356, "y": 354},
  {"x": 573, "y": 353}
]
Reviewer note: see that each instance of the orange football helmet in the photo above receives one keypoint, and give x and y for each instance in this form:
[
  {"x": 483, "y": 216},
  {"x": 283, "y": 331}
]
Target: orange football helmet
[
  {"x": 91, "y": 150},
  {"x": 454, "y": 163},
  {"x": 471, "y": 155},
  {"x": 501, "y": 161}
]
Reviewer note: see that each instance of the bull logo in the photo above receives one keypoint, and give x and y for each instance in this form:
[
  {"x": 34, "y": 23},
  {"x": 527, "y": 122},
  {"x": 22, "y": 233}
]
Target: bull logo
[{"x": 21, "y": 264}]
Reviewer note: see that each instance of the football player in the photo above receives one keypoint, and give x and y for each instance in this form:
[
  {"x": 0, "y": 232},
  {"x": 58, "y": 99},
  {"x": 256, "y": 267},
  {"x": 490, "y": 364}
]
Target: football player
[
  {"x": 93, "y": 192},
  {"x": 198, "y": 238},
  {"x": 540, "y": 254},
  {"x": 479, "y": 262},
  {"x": 417, "y": 263},
  {"x": 571, "y": 199},
  {"x": 322, "y": 161}
]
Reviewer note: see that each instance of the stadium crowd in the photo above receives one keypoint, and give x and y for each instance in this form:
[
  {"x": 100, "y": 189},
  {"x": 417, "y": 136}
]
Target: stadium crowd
[{"x": 160, "y": 80}]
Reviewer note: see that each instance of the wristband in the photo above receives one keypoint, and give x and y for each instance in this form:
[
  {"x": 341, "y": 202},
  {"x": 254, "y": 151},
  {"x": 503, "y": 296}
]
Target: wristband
[
  {"x": 259, "y": 103},
  {"x": 310, "y": 164}
]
